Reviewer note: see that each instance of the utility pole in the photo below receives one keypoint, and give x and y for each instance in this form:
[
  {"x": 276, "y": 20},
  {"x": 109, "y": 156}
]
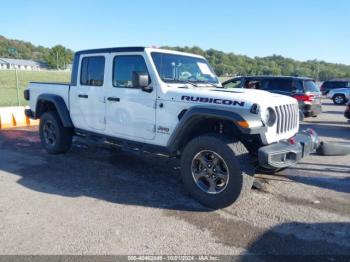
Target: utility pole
[
  {"x": 17, "y": 87},
  {"x": 57, "y": 59}
]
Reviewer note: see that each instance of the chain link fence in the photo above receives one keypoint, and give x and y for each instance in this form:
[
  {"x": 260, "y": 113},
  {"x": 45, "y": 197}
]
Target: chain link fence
[{"x": 13, "y": 83}]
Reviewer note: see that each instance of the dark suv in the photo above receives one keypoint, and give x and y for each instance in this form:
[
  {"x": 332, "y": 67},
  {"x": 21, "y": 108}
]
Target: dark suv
[
  {"x": 347, "y": 111},
  {"x": 301, "y": 88},
  {"x": 333, "y": 84}
]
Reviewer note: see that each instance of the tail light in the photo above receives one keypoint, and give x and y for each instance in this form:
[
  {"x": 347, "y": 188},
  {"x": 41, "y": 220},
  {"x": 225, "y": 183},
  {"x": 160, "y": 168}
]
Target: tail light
[{"x": 307, "y": 98}]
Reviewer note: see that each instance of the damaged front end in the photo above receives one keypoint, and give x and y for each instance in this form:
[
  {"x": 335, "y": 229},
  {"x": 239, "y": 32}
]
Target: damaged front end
[{"x": 286, "y": 153}]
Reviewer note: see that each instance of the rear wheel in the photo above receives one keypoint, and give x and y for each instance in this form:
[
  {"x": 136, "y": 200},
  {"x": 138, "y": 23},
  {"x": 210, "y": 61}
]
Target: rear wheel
[
  {"x": 339, "y": 99},
  {"x": 216, "y": 171},
  {"x": 55, "y": 138}
]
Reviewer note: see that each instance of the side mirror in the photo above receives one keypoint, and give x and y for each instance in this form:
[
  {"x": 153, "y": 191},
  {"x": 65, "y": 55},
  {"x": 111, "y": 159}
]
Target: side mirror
[{"x": 141, "y": 80}]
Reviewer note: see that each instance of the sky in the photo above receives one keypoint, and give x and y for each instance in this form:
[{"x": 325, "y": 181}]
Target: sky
[{"x": 299, "y": 29}]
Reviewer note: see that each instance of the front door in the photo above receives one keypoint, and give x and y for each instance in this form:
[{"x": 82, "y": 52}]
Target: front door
[
  {"x": 87, "y": 98},
  {"x": 131, "y": 111}
]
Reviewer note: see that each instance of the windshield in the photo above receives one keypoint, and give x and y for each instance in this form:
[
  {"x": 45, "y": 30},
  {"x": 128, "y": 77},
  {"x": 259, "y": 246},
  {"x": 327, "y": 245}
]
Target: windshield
[{"x": 174, "y": 68}]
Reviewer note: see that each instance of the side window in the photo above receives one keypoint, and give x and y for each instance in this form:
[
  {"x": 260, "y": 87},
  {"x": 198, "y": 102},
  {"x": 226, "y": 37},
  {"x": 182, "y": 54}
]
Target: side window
[
  {"x": 233, "y": 84},
  {"x": 340, "y": 84},
  {"x": 298, "y": 86},
  {"x": 123, "y": 68},
  {"x": 283, "y": 85},
  {"x": 253, "y": 84},
  {"x": 92, "y": 71}
]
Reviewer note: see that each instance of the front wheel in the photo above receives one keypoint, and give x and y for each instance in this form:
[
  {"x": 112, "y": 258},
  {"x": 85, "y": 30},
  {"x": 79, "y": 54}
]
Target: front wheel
[
  {"x": 54, "y": 137},
  {"x": 216, "y": 171}
]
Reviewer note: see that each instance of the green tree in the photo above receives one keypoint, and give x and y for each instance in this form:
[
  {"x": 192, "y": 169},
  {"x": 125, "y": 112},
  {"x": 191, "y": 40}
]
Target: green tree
[{"x": 59, "y": 57}]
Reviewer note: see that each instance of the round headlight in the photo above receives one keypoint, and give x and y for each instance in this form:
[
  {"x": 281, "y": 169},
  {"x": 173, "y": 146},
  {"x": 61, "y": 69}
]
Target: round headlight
[{"x": 269, "y": 116}]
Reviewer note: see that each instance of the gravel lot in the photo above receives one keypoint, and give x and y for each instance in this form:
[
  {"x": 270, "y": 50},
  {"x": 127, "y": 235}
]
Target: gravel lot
[{"x": 102, "y": 201}]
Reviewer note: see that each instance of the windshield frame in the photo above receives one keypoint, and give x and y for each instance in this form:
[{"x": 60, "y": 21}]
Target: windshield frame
[{"x": 195, "y": 83}]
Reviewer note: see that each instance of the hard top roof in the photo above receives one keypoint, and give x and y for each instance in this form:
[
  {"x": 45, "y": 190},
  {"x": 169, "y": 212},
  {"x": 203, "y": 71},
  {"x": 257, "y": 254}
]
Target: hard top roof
[
  {"x": 131, "y": 49},
  {"x": 278, "y": 77},
  {"x": 112, "y": 50},
  {"x": 339, "y": 80}
]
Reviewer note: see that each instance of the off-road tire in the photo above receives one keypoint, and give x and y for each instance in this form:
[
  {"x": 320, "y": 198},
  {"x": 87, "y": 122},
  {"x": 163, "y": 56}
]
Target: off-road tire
[
  {"x": 240, "y": 167},
  {"x": 63, "y": 135}
]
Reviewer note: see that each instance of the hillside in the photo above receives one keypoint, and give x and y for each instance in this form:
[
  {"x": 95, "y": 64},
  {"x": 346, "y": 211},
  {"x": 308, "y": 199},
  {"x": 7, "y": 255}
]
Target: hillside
[
  {"x": 228, "y": 64},
  {"x": 10, "y": 48},
  {"x": 225, "y": 64}
]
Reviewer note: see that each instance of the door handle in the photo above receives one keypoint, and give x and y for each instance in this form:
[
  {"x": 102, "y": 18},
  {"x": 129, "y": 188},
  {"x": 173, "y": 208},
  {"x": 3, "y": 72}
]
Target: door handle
[
  {"x": 113, "y": 99},
  {"x": 83, "y": 96}
]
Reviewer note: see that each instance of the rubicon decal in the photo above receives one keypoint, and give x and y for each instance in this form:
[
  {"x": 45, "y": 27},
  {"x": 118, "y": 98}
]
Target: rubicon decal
[{"x": 218, "y": 101}]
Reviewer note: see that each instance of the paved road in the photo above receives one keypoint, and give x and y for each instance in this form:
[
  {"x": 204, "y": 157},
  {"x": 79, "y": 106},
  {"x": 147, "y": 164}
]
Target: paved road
[{"x": 117, "y": 202}]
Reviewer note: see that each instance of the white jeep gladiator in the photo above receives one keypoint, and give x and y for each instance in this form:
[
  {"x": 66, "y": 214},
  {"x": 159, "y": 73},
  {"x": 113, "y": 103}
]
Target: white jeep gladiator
[{"x": 172, "y": 103}]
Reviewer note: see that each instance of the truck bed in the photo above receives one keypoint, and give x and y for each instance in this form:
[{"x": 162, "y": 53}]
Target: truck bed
[{"x": 38, "y": 88}]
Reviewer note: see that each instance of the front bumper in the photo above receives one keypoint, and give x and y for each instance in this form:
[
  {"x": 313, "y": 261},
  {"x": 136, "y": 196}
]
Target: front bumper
[
  {"x": 286, "y": 153},
  {"x": 312, "y": 110}
]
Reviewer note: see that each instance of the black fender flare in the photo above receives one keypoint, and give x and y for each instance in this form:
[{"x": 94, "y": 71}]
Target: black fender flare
[
  {"x": 60, "y": 106},
  {"x": 194, "y": 114}
]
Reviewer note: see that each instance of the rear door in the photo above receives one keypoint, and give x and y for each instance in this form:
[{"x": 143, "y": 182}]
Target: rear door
[
  {"x": 87, "y": 98},
  {"x": 279, "y": 86}
]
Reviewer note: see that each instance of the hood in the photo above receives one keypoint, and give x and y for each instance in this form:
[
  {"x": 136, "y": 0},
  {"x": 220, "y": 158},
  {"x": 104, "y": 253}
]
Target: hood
[{"x": 240, "y": 96}]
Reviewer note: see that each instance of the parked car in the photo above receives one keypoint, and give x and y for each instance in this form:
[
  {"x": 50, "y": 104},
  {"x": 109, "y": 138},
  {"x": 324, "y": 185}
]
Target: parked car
[
  {"x": 172, "y": 103},
  {"x": 339, "y": 96},
  {"x": 333, "y": 84},
  {"x": 303, "y": 89},
  {"x": 347, "y": 111}
]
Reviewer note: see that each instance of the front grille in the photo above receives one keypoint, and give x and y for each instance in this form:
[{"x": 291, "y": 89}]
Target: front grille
[{"x": 287, "y": 118}]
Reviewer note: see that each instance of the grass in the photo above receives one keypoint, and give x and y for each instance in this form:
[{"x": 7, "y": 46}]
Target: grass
[{"x": 8, "y": 91}]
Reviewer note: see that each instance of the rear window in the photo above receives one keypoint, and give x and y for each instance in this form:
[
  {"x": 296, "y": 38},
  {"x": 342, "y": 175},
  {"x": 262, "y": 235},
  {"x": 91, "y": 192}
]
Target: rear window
[{"x": 310, "y": 86}]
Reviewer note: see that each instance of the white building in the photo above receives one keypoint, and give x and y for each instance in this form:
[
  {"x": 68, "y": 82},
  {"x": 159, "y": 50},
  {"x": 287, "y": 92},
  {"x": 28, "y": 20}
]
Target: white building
[{"x": 21, "y": 64}]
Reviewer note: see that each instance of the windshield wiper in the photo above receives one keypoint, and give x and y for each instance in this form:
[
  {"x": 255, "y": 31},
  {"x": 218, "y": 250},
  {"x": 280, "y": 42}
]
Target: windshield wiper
[
  {"x": 188, "y": 82},
  {"x": 181, "y": 82},
  {"x": 209, "y": 83}
]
